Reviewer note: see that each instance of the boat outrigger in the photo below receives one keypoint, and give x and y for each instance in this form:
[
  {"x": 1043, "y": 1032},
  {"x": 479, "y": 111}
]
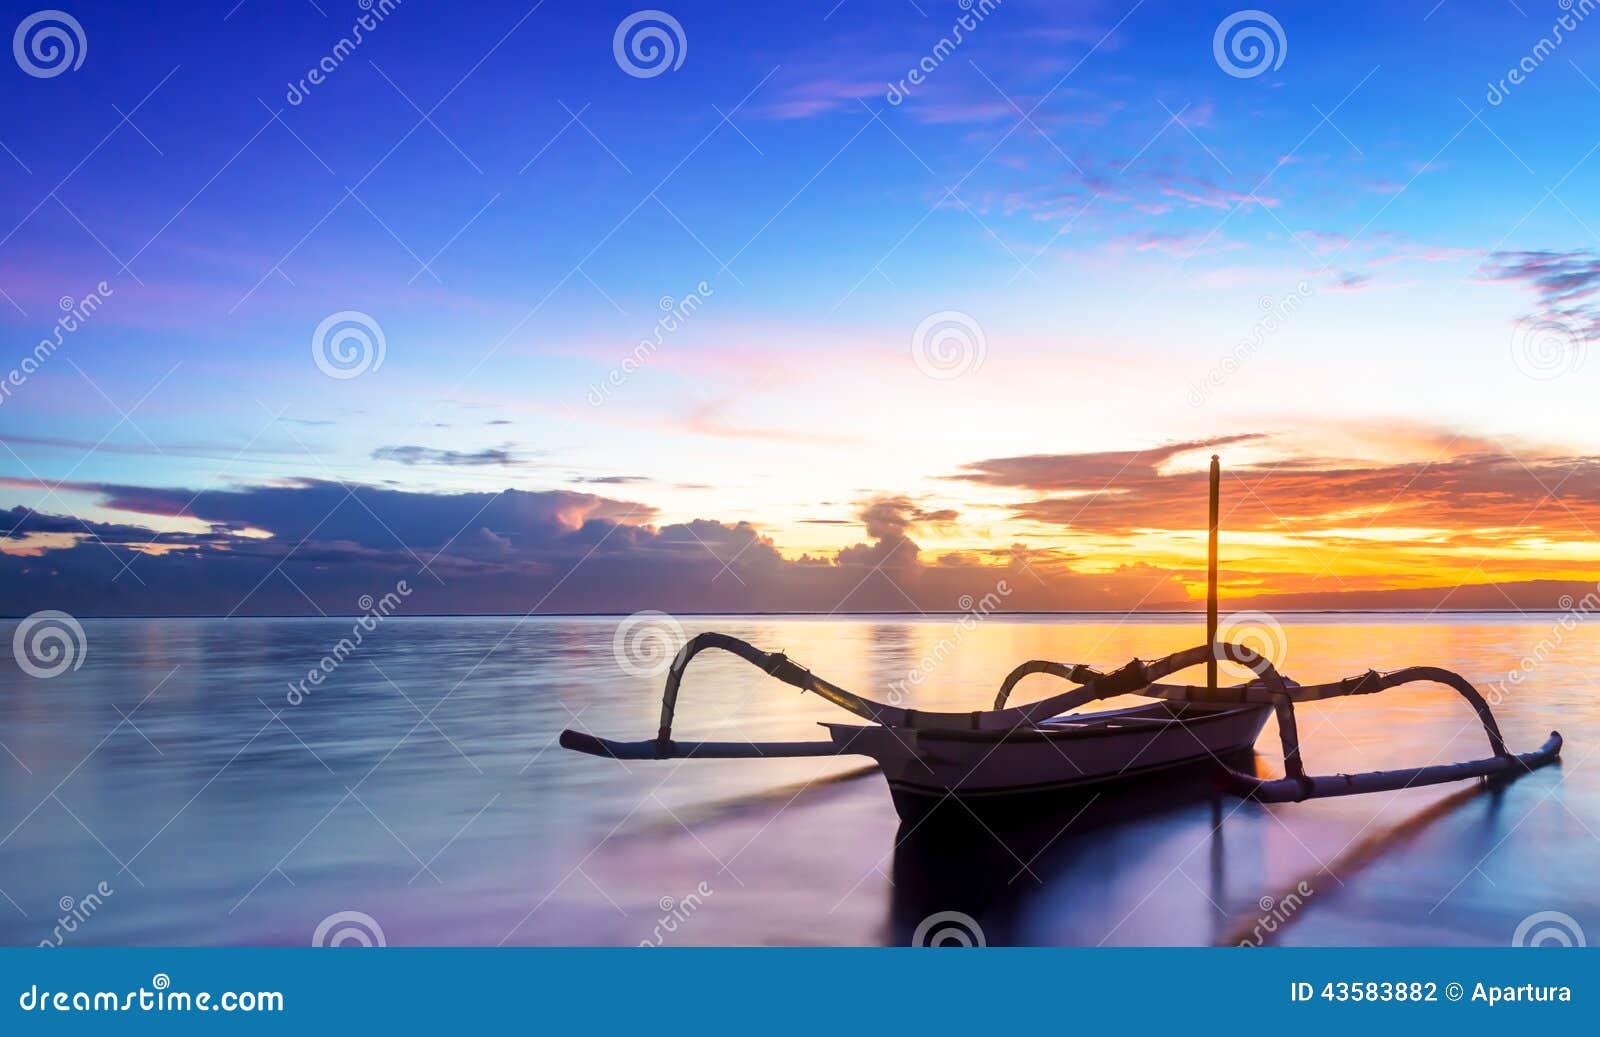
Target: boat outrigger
[{"x": 1043, "y": 746}]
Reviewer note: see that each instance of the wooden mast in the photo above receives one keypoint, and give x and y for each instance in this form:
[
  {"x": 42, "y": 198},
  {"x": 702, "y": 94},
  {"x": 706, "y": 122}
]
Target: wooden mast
[{"x": 1211, "y": 576}]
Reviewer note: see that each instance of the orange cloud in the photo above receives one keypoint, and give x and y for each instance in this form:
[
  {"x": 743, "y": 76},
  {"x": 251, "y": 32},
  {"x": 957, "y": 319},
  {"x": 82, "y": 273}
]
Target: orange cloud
[{"x": 1472, "y": 513}]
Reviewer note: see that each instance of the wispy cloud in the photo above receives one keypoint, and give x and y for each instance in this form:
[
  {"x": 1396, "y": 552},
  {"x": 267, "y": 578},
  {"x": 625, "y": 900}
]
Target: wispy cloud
[
  {"x": 1567, "y": 283},
  {"x": 819, "y": 96},
  {"x": 420, "y": 455}
]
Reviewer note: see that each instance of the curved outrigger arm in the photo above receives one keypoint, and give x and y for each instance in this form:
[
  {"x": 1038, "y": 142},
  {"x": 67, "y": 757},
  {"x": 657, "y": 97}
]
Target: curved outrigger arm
[
  {"x": 1077, "y": 673},
  {"x": 1129, "y": 679},
  {"x": 774, "y": 664},
  {"x": 1271, "y": 689}
]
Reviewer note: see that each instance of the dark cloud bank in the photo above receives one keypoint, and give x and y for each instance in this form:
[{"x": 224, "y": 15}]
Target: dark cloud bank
[
  {"x": 320, "y": 545},
  {"x": 309, "y": 545}
]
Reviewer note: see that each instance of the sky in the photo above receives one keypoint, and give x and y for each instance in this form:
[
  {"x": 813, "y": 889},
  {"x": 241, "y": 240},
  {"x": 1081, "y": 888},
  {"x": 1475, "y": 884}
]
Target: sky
[{"x": 836, "y": 306}]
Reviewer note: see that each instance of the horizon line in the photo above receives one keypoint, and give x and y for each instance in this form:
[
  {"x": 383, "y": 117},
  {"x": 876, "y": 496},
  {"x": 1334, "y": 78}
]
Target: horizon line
[{"x": 828, "y": 615}]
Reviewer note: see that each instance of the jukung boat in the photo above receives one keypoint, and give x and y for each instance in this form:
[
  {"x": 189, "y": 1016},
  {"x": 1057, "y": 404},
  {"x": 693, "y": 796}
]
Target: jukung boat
[{"x": 1009, "y": 751}]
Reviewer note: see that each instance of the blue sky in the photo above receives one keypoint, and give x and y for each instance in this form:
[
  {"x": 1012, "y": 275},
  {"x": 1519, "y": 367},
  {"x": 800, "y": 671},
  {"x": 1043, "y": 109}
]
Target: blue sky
[{"x": 1087, "y": 186}]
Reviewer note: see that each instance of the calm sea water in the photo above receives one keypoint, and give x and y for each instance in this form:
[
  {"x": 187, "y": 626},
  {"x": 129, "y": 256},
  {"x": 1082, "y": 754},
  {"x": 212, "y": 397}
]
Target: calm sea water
[{"x": 421, "y": 785}]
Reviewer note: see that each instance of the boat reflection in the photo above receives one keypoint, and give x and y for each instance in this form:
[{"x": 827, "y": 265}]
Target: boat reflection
[
  {"x": 1032, "y": 872},
  {"x": 992, "y": 859}
]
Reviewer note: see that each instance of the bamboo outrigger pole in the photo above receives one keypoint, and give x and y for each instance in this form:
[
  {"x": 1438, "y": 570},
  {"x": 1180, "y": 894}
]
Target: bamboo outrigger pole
[{"x": 1211, "y": 577}]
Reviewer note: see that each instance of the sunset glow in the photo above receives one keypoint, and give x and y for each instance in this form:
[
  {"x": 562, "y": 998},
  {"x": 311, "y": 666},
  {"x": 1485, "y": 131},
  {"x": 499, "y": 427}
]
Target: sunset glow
[{"x": 779, "y": 331}]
